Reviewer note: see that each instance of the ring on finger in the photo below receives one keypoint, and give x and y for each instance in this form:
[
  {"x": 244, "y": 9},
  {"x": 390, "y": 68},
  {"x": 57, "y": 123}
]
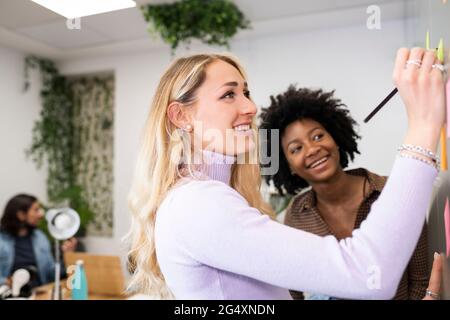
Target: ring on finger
[
  {"x": 415, "y": 62},
  {"x": 439, "y": 66},
  {"x": 433, "y": 295}
]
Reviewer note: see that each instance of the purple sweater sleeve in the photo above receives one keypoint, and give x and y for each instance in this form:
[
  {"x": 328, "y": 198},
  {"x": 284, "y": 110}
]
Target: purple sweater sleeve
[{"x": 217, "y": 227}]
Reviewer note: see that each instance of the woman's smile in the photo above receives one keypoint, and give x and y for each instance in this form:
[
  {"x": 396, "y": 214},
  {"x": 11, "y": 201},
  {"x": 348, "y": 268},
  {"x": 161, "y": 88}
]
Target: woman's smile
[
  {"x": 319, "y": 165},
  {"x": 243, "y": 130}
]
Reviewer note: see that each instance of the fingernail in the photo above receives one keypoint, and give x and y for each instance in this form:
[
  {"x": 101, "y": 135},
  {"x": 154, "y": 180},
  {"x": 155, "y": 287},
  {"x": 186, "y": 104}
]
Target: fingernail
[{"x": 436, "y": 255}]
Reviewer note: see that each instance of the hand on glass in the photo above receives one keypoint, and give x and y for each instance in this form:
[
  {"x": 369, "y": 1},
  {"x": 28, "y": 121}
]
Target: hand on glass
[{"x": 421, "y": 87}]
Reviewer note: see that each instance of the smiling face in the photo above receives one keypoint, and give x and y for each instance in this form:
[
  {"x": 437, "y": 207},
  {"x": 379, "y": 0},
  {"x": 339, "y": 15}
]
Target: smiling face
[
  {"x": 223, "y": 112},
  {"x": 33, "y": 216},
  {"x": 310, "y": 151}
]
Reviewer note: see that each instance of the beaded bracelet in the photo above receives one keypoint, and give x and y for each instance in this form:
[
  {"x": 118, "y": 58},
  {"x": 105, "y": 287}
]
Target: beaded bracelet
[
  {"x": 419, "y": 150},
  {"x": 429, "y": 162}
]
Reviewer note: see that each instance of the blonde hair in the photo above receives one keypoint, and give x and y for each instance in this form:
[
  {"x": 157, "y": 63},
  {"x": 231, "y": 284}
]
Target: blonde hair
[{"x": 156, "y": 172}]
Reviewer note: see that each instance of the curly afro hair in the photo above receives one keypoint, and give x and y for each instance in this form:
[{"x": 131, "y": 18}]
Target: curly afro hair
[{"x": 298, "y": 104}]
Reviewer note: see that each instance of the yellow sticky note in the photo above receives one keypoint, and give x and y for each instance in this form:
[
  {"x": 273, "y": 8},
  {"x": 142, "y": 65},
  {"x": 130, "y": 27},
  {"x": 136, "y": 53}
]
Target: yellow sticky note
[
  {"x": 444, "y": 165},
  {"x": 440, "y": 51}
]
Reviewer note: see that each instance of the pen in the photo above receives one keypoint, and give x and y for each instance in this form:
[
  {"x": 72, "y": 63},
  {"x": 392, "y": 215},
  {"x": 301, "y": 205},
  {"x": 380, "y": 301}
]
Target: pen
[
  {"x": 381, "y": 105},
  {"x": 386, "y": 100}
]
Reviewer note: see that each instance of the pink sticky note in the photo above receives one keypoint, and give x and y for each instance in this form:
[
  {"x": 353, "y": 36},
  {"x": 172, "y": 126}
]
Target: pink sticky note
[
  {"x": 447, "y": 227},
  {"x": 448, "y": 107}
]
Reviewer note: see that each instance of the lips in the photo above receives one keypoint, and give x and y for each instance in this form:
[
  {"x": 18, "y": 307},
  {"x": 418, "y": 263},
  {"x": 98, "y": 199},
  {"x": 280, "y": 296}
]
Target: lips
[{"x": 316, "y": 163}]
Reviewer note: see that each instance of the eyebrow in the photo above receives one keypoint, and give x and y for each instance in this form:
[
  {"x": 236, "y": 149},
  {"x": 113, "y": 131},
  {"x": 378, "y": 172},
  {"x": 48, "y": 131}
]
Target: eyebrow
[
  {"x": 296, "y": 140},
  {"x": 233, "y": 84}
]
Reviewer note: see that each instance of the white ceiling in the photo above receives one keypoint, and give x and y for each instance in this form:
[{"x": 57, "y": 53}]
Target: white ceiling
[{"x": 30, "y": 27}]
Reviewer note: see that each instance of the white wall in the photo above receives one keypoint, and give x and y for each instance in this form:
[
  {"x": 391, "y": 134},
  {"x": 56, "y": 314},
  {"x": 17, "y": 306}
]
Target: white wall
[
  {"x": 353, "y": 60},
  {"x": 18, "y": 111}
]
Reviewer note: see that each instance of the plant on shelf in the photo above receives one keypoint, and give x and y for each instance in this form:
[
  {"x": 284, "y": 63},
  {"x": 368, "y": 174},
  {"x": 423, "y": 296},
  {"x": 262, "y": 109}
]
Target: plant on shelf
[
  {"x": 53, "y": 141},
  {"x": 213, "y": 22}
]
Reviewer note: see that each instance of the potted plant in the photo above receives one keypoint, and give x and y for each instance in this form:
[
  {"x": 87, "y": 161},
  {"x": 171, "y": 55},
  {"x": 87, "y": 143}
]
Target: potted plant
[{"x": 213, "y": 22}]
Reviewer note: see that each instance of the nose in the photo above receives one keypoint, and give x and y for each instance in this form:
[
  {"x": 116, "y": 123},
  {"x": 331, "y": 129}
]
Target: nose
[
  {"x": 248, "y": 108},
  {"x": 312, "y": 150}
]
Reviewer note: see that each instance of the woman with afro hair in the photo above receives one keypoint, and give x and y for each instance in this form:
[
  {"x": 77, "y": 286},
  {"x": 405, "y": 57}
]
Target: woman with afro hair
[{"x": 317, "y": 139}]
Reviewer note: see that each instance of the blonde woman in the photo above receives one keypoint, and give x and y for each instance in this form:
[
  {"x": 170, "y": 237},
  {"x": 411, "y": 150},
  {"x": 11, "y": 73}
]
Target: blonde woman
[{"x": 201, "y": 230}]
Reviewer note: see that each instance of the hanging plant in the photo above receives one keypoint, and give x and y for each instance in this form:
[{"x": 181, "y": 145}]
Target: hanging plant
[
  {"x": 213, "y": 22},
  {"x": 53, "y": 139}
]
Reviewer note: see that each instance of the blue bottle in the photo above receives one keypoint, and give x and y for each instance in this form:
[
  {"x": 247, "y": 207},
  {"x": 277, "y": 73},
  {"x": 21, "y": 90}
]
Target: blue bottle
[{"x": 79, "y": 285}]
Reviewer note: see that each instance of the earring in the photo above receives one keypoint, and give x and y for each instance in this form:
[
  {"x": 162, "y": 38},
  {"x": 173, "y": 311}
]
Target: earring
[{"x": 188, "y": 128}]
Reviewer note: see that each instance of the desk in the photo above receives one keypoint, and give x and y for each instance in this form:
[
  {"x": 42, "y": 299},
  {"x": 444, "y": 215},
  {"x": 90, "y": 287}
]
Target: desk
[{"x": 44, "y": 293}]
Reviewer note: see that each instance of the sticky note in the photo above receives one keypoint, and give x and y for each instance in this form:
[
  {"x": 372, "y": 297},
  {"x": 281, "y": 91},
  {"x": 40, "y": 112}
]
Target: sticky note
[
  {"x": 447, "y": 87},
  {"x": 440, "y": 51},
  {"x": 444, "y": 132},
  {"x": 447, "y": 227},
  {"x": 444, "y": 163}
]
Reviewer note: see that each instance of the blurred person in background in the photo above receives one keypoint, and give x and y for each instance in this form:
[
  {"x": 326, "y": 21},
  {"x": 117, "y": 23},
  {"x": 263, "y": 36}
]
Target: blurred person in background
[{"x": 23, "y": 245}]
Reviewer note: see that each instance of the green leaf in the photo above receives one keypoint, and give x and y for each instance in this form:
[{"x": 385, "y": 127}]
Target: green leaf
[
  {"x": 61, "y": 134},
  {"x": 213, "y": 22}
]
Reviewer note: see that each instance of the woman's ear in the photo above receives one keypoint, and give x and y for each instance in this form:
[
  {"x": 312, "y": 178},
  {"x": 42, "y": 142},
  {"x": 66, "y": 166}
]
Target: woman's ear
[
  {"x": 178, "y": 116},
  {"x": 21, "y": 216}
]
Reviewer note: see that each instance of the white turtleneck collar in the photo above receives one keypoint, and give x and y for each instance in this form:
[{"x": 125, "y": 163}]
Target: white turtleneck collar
[{"x": 217, "y": 166}]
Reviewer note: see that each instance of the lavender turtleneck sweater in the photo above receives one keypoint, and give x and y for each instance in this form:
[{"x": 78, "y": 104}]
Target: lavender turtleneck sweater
[{"x": 211, "y": 244}]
